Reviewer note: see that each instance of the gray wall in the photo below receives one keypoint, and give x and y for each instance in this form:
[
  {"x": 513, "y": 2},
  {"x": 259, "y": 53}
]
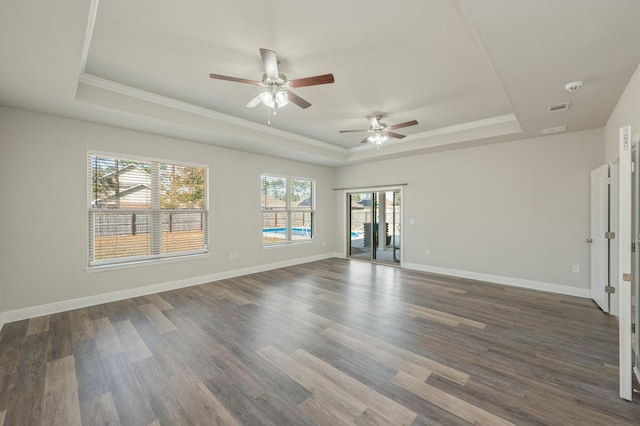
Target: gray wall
[
  {"x": 43, "y": 169},
  {"x": 626, "y": 112},
  {"x": 517, "y": 210}
]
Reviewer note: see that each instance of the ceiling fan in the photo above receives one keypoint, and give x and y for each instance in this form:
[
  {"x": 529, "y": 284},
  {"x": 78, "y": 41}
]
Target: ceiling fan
[
  {"x": 380, "y": 132},
  {"x": 277, "y": 93}
]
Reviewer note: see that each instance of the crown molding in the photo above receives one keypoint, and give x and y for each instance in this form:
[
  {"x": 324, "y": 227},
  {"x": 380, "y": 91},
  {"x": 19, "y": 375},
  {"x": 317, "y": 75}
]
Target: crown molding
[
  {"x": 165, "y": 101},
  {"x": 91, "y": 23},
  {"x": 456, "y": 128}
]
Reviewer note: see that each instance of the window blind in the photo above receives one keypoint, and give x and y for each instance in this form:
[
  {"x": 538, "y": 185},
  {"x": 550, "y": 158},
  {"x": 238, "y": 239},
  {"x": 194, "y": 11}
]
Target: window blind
[{"x": 141, "y": 209}]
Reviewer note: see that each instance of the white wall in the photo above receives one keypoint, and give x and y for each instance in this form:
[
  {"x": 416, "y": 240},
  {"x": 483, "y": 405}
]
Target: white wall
[
  {"x": 626, "y": 112},
  {"x": 513, "y": 212},
  {"x": 43, "y": 187}
]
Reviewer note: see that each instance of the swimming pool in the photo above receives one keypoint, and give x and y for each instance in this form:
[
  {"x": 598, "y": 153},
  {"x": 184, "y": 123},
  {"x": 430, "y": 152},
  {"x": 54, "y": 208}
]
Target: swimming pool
[{"x": 296, "y": 232}]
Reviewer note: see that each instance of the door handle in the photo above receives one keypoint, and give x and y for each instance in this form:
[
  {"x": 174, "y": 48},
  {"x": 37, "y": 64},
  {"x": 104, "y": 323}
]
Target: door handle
[{"x": 589, "y": 240}]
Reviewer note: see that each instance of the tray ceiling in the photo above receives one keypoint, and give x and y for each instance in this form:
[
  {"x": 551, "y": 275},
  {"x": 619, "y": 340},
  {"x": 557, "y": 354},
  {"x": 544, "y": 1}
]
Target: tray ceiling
[{"x": 470, "y": 72}]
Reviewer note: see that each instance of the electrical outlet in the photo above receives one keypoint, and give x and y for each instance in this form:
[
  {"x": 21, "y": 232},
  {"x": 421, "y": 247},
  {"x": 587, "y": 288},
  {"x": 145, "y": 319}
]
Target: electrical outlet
[
  {"x": 576, "y": 269},
  {"x": 428, "y": 252}
]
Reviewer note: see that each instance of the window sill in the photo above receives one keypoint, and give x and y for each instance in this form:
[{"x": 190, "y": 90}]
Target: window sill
[
  {"x": 149, "y": 262},
  {"x": 287, "y": 244}
]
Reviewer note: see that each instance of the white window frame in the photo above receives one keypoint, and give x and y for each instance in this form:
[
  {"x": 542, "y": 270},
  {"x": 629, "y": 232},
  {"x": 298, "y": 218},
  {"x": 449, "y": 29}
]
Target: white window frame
[
  {"x": 288, "y": 211},
  {"x": 155, "y": 212}
]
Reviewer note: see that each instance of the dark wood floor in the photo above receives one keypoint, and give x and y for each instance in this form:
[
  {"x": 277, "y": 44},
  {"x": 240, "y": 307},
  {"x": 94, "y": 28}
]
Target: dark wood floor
[{"x": 330, "y": 342}]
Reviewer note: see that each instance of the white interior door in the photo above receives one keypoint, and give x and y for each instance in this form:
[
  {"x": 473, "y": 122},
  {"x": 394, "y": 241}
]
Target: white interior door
[
  {"x": 624, "y": 263},
  {"x": 599, "y": 244}
]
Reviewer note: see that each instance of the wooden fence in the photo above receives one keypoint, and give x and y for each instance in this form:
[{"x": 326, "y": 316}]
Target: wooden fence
[{"x": 109, "y": 224}]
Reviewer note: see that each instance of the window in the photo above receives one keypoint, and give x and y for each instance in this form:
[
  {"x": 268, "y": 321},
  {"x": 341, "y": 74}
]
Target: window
[
  {"x": 140, "y": 209},
  {"x": 287, "y": 210}
]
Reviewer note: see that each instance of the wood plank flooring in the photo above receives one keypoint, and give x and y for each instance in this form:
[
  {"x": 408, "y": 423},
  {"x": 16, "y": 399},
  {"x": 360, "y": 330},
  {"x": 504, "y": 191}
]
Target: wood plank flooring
[{"x": 333, "y": 342}]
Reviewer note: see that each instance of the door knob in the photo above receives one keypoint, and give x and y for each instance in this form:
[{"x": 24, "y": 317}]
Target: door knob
[{"x": 589, "y": 240}]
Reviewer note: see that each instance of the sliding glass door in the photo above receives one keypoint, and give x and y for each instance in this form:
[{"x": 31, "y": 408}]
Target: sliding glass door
[
  {"x": 360, "y": 221},
  {"x": 374, "y": 226}
]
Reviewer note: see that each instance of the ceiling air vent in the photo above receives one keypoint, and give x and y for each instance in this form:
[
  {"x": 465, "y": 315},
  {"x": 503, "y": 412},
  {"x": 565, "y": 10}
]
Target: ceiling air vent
[
  {"x": 554, "y": 130},
  {"x": 558, "y": 107}
]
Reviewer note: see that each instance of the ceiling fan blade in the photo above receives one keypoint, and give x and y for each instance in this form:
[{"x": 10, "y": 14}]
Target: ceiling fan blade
[
  {"x": 365, "y": 140},
  {"x": 374, "y": 120},
  {"x": 401, "y": 125},
  {"x": 254, "y": 102},
  {"x": 394, "y": 135},
  {"x": 312, "y": 81},
  {"x": 351, "y": 131},
  {"x": 297, "y": 100},
  {"x": 270, "y": 61},
  {"x": 236, "y": 79}
]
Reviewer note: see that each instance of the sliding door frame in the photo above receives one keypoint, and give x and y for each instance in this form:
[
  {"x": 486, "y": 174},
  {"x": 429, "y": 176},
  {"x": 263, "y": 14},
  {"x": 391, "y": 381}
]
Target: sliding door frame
[{"x": 347, "y": 212}]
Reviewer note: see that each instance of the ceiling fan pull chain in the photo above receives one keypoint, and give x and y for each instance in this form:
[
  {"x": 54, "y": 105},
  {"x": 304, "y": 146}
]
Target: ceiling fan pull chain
[{"x": 269, "y": 116}]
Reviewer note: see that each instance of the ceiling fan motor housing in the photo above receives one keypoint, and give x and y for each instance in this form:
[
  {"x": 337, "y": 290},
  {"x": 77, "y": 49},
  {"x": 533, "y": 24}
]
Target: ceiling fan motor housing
[{"x": 281, "y": 81}]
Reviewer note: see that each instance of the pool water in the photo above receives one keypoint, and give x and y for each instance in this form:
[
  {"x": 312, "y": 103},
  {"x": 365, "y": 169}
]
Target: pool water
[{"x": 298, "y": 232}]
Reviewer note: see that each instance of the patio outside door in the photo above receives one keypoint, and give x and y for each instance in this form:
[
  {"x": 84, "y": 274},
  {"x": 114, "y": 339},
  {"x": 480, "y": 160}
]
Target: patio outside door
[{"x": 374, "y": 226}]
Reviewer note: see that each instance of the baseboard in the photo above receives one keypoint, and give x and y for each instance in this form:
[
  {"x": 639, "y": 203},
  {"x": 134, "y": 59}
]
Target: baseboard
[
  {"x": 83, "y": 302},
  {"x": 498, "y": 279}
]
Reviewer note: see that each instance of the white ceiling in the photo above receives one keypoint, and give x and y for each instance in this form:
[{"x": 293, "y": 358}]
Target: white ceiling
[{"x": 469, "y": 71}]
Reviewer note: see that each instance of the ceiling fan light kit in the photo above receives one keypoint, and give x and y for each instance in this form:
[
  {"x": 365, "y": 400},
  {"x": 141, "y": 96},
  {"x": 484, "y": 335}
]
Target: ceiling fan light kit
[
  {"x": 377, "y": 138},
  {"x": 273, "y": 99}
]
